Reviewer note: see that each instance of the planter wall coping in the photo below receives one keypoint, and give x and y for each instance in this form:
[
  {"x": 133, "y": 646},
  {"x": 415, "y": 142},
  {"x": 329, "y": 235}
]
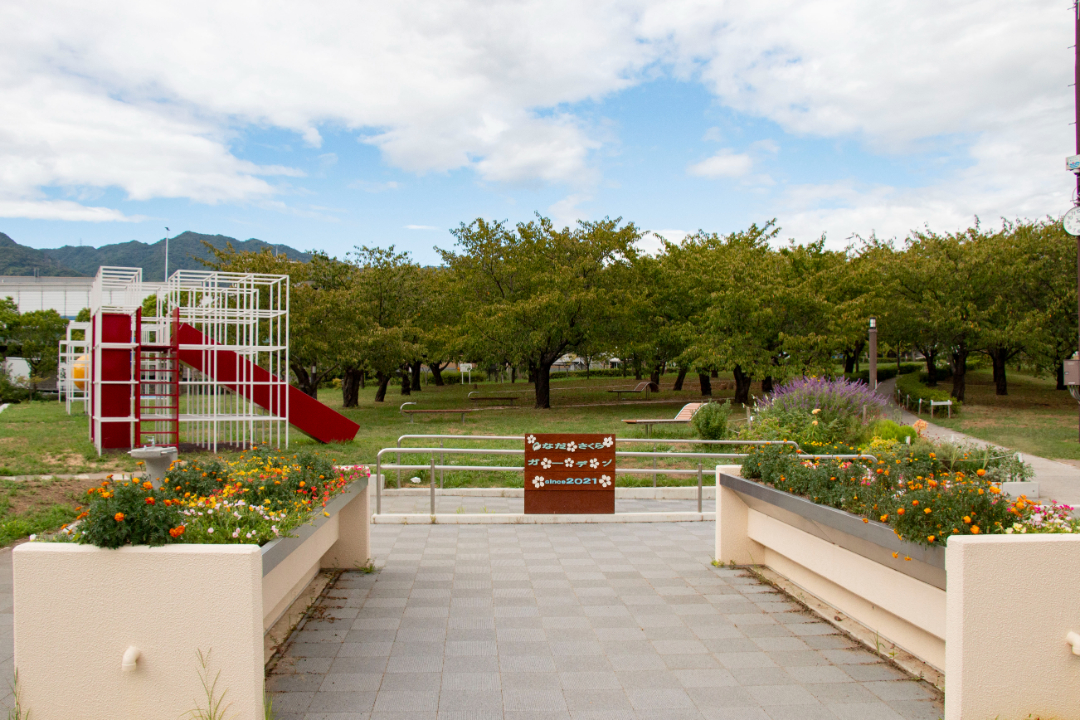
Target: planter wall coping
[
  {"x": 873, "y": 540},
  {"x": 275, "y": 551}
]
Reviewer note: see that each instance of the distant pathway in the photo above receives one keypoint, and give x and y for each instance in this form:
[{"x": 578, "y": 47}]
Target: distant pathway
[{"x": 1057, "y": 480}]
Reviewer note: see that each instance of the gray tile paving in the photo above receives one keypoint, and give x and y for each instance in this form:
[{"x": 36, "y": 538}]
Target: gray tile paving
[{"x": 575, "y": 622}]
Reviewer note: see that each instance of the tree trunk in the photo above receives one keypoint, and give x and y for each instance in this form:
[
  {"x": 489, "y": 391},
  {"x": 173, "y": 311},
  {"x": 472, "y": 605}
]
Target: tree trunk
[
  {"x": 742, "y": 386},
  {"x": 849, "y": 362},
  {"x": 998, "y": 358},
  {"x": 532, "y": 372},
  {"x": 542, "y": 383},
  {"x": 513, "y": 375},
  {"x": 654, "y": 376},
  {"x": 959, "y": 373},
  {"x": 436, "y": 372},
  {"x": 897, "y": 360},
  {"x": 679, "y": 380},
  {"x": 637, "y": 369},
  {"x": 306, "y": 381},
  {"x": 406, "y": 381},
  {"x": 384, "y": 381},
  {"x": 931, "y": 368},
  {"x": 706, "y": 384},
  {"x": 350, "y": 387},
  {"x": 766, "y": 385},
  {"x": 1061, "y": 377},
  {"x": 714, "y": 374},
  {"x": 416, "y": 375}
]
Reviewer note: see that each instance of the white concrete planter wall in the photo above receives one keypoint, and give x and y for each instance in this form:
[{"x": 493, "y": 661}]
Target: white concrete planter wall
[
  {"x": 992, "y": 612},
  {"x": 78, "y": 609}
]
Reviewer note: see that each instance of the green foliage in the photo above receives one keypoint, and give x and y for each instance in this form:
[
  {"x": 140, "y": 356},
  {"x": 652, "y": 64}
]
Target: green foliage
[
  {"x": 34, "y": 523},
  {"x": 890, "y": 430},
  {"x": 924, "y": 497},
  {"x": 884, "y": 372},
  {"x": 910, "y": 385},
  {"x": 216, "y": 707},
  {"x": 711, "y": 421}
]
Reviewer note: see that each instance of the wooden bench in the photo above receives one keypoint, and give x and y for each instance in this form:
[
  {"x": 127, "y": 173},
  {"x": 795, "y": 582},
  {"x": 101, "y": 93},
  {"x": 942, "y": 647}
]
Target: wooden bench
[
  {"x": 417, "y": 411},
  {"x": 644, "y": 387},
  {"x": 685, "y": 415},
  {"x": 501, "y": 398}
]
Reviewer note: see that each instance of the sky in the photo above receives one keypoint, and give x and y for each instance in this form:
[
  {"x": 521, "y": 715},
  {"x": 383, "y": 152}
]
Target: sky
[{"x": 332, "y": 124}]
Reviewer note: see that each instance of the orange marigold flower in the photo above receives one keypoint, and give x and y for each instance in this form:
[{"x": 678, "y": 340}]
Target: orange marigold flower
[
  {"x": 980, "y": 472},
  {"x": 895, "y": 555},
  {"x": 914, "y": 502},
  {"x": 150, "y": 501},
  {"x": 884, "y": 518},
  {"x": 148, "y": 485},
  {"x": 930, "y": 538},
  {"x": 926, "y": 510},
  {"x": 118, "y": 517},
  {"x": 975, "y": 530},
  {"x": 967, "y": 519},
  {"x": 865, "y": 520},
  {"x": 900, "y": 511}
]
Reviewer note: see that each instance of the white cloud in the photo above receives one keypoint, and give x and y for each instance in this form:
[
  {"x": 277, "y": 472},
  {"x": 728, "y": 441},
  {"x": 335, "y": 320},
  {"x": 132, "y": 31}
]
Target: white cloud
[
  {"x": 62, "y": 210},
  {"x": 566, "y": 213},
  {"x": 723, "y": 164},
  {"x": 652, "y": 240},
  {"x": 150, "y": 98},
  {"x": 421, "y": 227}
]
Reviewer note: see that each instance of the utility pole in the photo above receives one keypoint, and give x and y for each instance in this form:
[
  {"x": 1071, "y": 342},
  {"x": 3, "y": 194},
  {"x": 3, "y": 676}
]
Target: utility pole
[
  {"x": 1071, "y": 221},
  {"x": 166, "y": 254}
]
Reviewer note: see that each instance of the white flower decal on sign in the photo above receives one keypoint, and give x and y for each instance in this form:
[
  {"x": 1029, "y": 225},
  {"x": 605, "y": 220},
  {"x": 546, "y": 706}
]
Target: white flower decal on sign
[
  {"x": 546, "y": 464},
  {"x": 604, "y": 481},
  {"x": 609, "y": 441},
  {"x": 571, "y": 447},
  {"x": 594, "y": 463},
  {"x": 538, "y": 481},
  {"x": 530, "y": 439},
  {"x": 568, "y": 462}
]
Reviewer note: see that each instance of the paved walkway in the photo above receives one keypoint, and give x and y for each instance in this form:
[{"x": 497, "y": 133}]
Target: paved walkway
[{"x": 574, "y": 622}]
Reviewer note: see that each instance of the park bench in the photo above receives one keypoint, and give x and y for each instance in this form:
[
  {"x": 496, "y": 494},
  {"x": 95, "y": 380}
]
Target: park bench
[
  {"x": 476, "y": 397},
  {"x": 644, "y": 387},
  {"x": 450, "y": 411},
  {"x": 684, "y": 416}
]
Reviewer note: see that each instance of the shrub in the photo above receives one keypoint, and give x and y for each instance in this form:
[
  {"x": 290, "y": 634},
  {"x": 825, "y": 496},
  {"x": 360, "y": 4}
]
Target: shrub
[
  {"x": 915, "y": 387},
  {"x": 889, "y": 430},
  {"x": 711, "y": 421},
  {"x": 884, "y": 372},
  {"x": 816, "y": 411},
  {"x": 128, "y": 513}
]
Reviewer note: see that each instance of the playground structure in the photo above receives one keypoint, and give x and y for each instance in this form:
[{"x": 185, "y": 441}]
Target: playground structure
[
  {"x": 209, "y": 368},
  {"x": 72, "y": 381}
]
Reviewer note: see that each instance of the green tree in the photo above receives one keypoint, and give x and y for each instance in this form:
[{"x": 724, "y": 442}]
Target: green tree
[
  {"x": 536, "y": 292},
  {"x": 37, "y": 336}
]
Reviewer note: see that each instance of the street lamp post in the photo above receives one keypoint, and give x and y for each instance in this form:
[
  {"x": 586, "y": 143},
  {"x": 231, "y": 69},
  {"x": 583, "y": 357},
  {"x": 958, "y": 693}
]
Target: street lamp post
[
  {"x": 873, "y": 354},
  {"x": 166, "y": 254}
]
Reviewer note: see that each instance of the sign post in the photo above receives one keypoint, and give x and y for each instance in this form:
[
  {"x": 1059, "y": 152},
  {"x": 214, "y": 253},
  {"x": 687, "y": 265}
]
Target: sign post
[{"x": 570, "y": 473}]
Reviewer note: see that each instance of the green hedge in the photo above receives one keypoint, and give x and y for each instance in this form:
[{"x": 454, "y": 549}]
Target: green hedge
[
  {"x": 913, "y": 385},
  {"x": 887, "y": 372}
]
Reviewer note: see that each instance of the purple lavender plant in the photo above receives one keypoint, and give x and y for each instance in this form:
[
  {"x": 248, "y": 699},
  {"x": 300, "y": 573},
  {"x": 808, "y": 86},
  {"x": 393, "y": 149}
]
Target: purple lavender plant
[{"x": 834, "y": 398}]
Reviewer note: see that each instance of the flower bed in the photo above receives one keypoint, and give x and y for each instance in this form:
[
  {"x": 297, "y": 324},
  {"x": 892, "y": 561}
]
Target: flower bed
[
  {"x": 925, "y": 493},
  {"x": 262, "y": 495}
]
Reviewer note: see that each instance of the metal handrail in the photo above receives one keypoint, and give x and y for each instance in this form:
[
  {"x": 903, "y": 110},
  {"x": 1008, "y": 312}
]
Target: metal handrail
[{"x": 433, "y": 466}]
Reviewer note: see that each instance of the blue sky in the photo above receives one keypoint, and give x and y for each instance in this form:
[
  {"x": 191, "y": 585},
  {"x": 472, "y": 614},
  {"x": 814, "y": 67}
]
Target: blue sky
[{"x": 377, "y": 124}]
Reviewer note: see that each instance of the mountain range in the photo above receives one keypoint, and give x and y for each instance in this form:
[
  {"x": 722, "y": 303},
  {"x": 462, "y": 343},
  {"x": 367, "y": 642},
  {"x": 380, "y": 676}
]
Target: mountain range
[{"x": 185, "y": 251}]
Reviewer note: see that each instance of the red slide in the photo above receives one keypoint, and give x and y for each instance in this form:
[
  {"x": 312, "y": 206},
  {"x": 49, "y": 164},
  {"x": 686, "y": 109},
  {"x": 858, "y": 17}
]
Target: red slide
[{"x": 306, "y": 414}]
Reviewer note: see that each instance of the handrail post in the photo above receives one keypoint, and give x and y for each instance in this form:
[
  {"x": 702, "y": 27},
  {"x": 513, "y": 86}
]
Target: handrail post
[
  {"x": 654, "y": 472},
  {"x": 378, "y": 483},
  {"x": 397, "y": 461},
  {"x": 442, "y": 472},
  {"x": 699, "y": 487},
  {"x": 431, "y": 481}
]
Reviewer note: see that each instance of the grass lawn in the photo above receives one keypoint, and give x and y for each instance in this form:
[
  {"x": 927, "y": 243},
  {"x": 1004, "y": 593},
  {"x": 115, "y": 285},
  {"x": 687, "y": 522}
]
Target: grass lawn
[
  {"x": 1033, "y": 418},
  {"x": 41, "y": 438}
]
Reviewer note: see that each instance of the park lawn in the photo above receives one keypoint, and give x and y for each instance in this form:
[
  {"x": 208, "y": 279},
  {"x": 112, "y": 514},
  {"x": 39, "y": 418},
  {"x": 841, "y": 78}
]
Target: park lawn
[
  {"x": 1033, "y": 418},
  {"x": 40, "y": 438}
]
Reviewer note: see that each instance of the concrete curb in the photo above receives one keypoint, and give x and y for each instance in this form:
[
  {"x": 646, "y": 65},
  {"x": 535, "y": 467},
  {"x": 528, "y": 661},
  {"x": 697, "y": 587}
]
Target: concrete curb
[{"x": 522, "y": 519}]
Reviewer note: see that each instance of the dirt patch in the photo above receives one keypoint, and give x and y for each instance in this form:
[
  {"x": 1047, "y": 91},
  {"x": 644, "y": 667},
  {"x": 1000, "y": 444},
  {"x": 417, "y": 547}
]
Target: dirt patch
[{"x": 38, "y": 494}]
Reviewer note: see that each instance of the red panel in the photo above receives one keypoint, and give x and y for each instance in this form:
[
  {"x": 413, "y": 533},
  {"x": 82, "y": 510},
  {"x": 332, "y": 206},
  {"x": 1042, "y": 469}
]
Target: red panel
[
  {"x": 115, "y": 401},
  {"x": 116, "y": 435},
  {"x": 115, "y": 328},
  {"x": 115, "y": 364},
  {"x": 306, "y": 414}
]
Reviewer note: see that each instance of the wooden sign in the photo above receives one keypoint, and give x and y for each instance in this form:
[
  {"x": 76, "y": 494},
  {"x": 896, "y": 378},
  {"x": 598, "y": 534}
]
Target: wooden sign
[{"x": 570, "y": 473}]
